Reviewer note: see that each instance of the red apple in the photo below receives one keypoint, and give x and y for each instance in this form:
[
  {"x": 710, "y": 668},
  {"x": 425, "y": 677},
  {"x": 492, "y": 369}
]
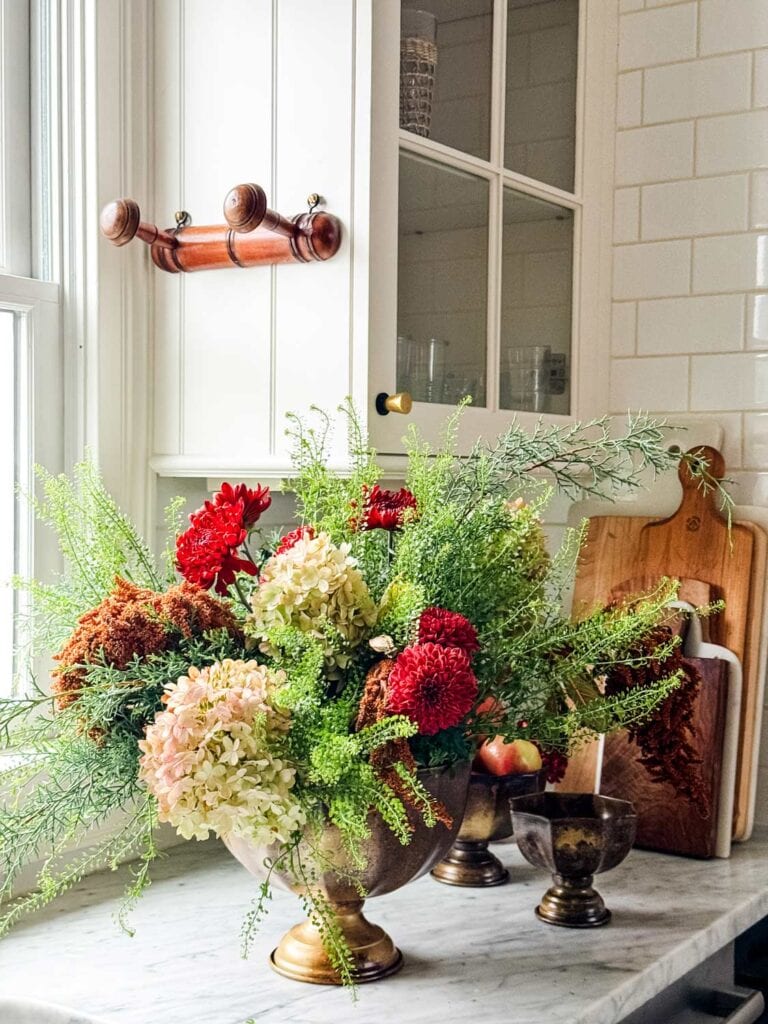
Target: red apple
[{"x": 499, "y": 758}]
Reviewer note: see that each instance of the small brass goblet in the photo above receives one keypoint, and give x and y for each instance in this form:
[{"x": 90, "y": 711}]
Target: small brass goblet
[
  {"x": 575, "y": 836},
  {"x": 486, "y": 819}
]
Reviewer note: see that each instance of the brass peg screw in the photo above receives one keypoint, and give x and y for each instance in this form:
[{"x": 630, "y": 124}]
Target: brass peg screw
[{"x": 400, "y": 402}]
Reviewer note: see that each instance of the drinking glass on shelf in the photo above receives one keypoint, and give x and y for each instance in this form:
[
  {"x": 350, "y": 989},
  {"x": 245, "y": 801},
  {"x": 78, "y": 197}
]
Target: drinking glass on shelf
[{"x": 528, "y": 377}]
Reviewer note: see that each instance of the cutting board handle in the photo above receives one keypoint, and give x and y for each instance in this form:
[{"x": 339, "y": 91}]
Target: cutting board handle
[{"x": 698, "y": 509}]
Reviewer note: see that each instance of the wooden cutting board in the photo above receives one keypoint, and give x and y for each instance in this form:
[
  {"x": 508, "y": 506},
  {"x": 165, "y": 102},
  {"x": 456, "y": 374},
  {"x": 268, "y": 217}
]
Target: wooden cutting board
[
  {"x": 692, "y": 544},
  {"x": 666, "y": 821}
]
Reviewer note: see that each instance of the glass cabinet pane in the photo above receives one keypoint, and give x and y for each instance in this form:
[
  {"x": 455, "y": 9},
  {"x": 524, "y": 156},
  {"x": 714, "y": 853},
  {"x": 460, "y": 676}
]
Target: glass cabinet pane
[
  {"x": 540, "y": 106},
  {"x": 536, "y": 305},
  {"x": 442, "y": 282},
  {"x": 445, "y": 72}
]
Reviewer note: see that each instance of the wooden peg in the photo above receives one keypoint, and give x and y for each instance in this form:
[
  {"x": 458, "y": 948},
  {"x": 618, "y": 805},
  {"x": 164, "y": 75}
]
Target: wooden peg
[{"x": 121, "y": 221}]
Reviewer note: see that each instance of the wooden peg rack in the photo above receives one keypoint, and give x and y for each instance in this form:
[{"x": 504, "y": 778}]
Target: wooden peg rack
[{"x": 254, "y": 235}]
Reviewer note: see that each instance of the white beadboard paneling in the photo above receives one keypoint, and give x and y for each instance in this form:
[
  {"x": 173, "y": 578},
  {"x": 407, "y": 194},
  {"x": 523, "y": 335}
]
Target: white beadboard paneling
[
  {"x": 758, "y": 217},
  {"x": 167, "y": 289},
  {"x": 225, "y": 314},
  {"x": 697, "y": 88},
  {"x": 738, "y": 382},
  {"x": 755, "y": 440},
  {"x": 727, "y": 25},
  {"x": 631, "y": 5},
  {"x": 757, "y": 321},
  {"x": 736, "y": 142},
  {"x": 696, "y": 207},
  {"x": 652, "y": 384},
  {"x": 629, "y": 100},
  {"x": 623, "y": 321},
  {"x": 313, "y": 303},
  {"x": 761, "y": 79},
  {"x": 652, "y": 269},
  {"x": 707, "y": 323},
  {"x": 626, "y": 215},
  {"x": 657, "y": 37},
  {"x": 222, "y": 373},
  {"x": 654, "y": 154},
  {"x": 730, "y": 263}
]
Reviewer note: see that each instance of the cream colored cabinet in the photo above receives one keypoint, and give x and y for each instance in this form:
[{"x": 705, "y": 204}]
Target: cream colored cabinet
[{"x": 466, "y": 147}]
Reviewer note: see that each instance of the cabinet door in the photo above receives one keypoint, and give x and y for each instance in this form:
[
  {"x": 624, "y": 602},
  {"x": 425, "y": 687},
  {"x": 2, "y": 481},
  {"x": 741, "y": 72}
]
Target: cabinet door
[{"x": 499, "y": 211}]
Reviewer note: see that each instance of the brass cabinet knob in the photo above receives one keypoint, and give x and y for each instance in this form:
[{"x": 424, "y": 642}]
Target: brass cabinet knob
[{"x": 400, "y": 402}]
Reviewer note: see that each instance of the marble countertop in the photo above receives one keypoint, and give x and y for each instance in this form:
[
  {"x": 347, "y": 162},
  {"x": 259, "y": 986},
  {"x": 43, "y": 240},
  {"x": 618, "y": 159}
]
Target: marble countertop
[{"x": 470, "y": 954}]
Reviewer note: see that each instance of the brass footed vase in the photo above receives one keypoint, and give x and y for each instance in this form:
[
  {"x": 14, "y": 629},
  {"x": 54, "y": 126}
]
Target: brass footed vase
[
  {"x": 390, "y": 865},
  {"x": 487, "y": 819},
  {"x": 575, "y": 836}
]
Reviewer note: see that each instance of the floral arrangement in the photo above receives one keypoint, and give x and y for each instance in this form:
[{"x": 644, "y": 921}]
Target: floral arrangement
[{"x": 289, "y": 681}]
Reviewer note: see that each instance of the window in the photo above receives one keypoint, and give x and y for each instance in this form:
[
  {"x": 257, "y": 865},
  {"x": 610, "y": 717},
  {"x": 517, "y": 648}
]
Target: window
[
  {"x": 489, "y": 203},
  {"x": 31, "y": 403}
]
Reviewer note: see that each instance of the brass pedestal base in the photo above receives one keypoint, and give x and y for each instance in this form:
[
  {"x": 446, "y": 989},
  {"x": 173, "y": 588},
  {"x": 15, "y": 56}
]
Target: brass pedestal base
[
  {"x": 573, "y": 903},
  {"x": 301, "y": 957},
  {"x": 470, "y": 864}
]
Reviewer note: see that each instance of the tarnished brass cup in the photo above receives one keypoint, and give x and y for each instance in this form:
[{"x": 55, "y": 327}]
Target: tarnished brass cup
[
  {"x": 390, "y": 865},
  {"x": 575, "y": 836},
  {"x": 487, "y": 819}
]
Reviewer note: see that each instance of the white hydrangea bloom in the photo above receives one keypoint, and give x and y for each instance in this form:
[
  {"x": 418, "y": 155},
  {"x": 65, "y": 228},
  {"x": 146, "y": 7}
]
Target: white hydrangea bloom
[
  {"x": 312, "y": 583},
  {"x": 210, "y": 758}
]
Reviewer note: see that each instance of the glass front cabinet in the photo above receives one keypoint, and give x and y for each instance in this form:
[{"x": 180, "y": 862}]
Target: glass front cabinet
[{"x": 493, "y": 293}]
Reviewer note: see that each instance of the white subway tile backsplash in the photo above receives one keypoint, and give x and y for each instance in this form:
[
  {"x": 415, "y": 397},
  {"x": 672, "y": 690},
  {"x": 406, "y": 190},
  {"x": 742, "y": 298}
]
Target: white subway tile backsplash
[
  {"x": 758, "y": 217},
  {"x": 623, "y": 317},
  {"x": 697, "y": 88},
  {"x": 697, "y": 207},
  {"x": 761, "y": 79},
  {"x": 749, "y": 488},
  {"x": 629, "y": 100},
  {"x": 730, "y": 263},
  {"x": 738, "y": 382},
  {"x": 736, "y": 142},
  {"x": 626, "y": 215},
  {"x": 755, "y": 440},
  {"x": 706, "y": 323},
  {"x": 654, "y": 154},
  {"x": 654, "y": 385},
  {"x": 652, "y": 269},
  {"x": 757, "y": 321},
  {"x": 657, "y": 37},
  {"x": 728, "y": 25}
]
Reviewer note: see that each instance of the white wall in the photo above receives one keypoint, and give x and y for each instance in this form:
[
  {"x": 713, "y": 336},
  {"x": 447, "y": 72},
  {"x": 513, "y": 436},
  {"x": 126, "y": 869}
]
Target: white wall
[{"x": 690, "y": 312}]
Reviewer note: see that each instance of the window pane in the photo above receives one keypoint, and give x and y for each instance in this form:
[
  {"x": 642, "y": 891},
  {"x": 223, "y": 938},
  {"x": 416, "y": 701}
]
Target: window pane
[
  {"x": 536, "y": 305},
  {"x": 542, "y": 57},
  {"x": 445, "y": 72},
  {"x": 442, "y": 282},
  {"x": 8, "y": 532}
]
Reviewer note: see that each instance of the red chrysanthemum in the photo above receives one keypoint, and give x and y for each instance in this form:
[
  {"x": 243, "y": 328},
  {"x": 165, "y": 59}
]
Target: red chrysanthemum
[
  {"x": 293, "y": 538},
  {"x": 432, "y": 685},
  {"x": 554, "y": 762},
  {"x": 384, "y": 510},
  {"x": 449, "y": 629},
  {"x": 206, "y": 553},
  {"x": 254, "y": 501}
]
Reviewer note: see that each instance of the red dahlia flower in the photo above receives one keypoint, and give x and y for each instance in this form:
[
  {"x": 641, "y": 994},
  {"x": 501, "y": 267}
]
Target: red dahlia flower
[
  {"x": 255, "y": 501},
  {"x": 206, "y": 553},
  {"x": 382, "y": 509},
  {"x": 449, "y": 629},
  {"x": 432, "y": 685},
  {"x": 555, "y": 763},
  {"x": 293, "y": 538}
]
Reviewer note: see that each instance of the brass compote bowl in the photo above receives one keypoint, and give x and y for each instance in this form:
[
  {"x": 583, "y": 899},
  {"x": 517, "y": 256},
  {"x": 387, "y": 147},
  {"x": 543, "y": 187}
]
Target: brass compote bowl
[
  {"x": 487, "y": 819},
  {"x": 575, "y": 836},
  {"x": 390, "y": 865}
]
